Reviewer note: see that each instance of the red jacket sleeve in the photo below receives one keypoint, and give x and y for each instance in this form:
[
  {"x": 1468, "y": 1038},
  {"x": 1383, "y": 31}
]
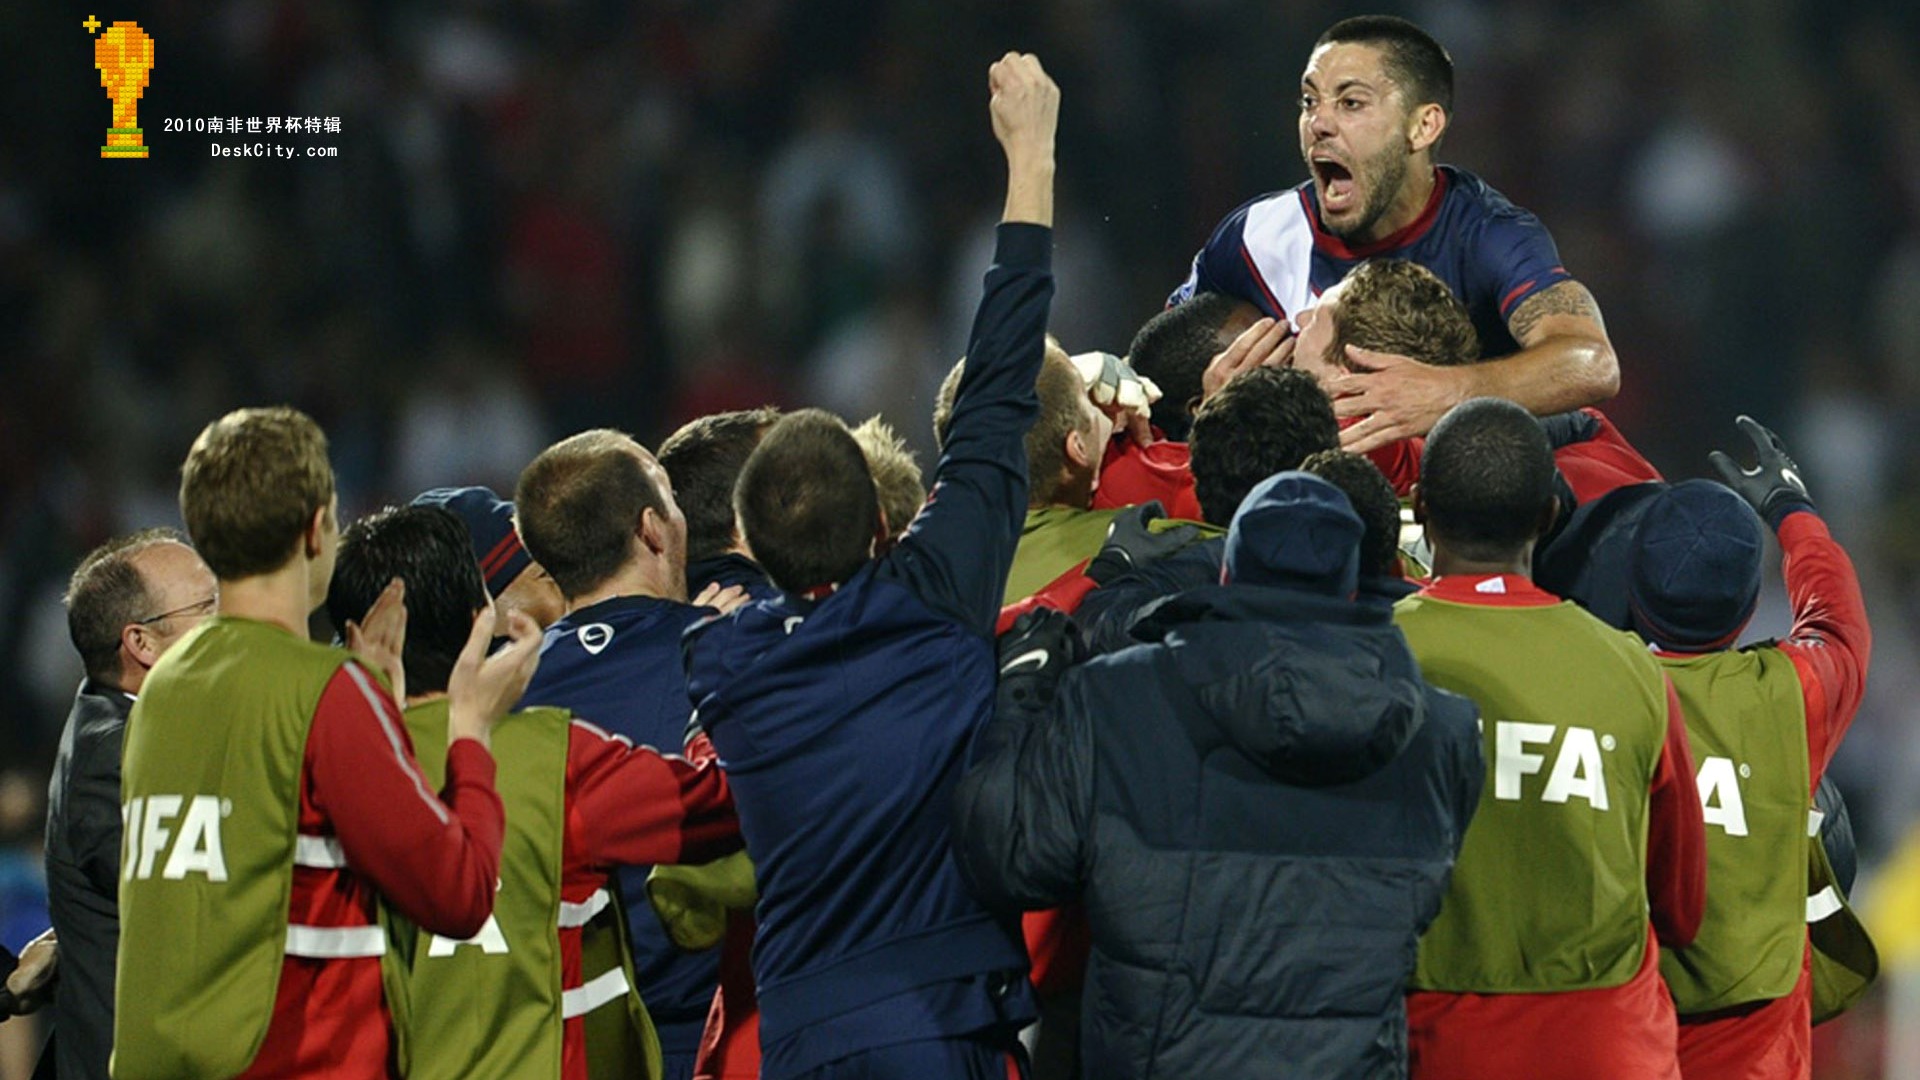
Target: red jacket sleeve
[
  {"x": 1676, "y": 838},
  {"x": 1831, "y": 642},
  {"x": 1063, "y": 593},
  {"x": 436, "y": 859},
  {"x": 1398, "y": 461},
  {"x": 1604, "y": 463},
  {"x": 634, "y": 806},
  {"x": 1133, "y": 474}
]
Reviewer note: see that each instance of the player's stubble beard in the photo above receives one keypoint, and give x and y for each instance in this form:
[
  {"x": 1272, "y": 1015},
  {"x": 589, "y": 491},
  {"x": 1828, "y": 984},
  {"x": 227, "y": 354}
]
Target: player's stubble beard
[{"x": 1382, "y": 175}]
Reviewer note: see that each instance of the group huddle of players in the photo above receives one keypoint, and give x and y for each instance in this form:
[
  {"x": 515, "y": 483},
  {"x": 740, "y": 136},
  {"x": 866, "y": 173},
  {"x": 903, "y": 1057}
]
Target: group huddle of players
[{"x": 1363, "y": 704}]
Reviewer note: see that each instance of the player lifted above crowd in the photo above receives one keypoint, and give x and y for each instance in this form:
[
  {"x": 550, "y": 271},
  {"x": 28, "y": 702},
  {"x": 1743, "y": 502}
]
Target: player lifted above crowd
[{"x": 1375, "y": 102}]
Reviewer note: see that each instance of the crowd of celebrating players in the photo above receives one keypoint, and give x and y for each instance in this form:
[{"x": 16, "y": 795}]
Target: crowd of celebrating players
[{"x": 1323, "y": 688}]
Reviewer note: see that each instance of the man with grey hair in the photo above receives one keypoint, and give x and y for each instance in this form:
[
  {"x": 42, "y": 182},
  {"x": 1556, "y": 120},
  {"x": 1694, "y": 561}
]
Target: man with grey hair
[{"x": 129, "y": 601}]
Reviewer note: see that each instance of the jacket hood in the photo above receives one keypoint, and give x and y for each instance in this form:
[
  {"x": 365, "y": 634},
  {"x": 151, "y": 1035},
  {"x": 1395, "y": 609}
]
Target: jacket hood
[{"x": 1316, "y": 690}]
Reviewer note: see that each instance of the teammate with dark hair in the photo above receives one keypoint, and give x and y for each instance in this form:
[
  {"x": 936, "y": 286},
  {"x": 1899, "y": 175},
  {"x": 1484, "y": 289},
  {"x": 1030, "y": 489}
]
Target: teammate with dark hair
[
  {"x": 1379, "y": 510},
  {"x": 1588, "y": 842},
  {"x": 578, "y": 802},
  {"x": 1175, "y": 347},
  {"x": 703, "y": 459}
]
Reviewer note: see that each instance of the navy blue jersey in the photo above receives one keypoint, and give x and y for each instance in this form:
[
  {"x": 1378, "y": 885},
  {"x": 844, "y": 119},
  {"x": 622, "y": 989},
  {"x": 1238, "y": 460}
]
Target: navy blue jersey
[
  {"x": 844, "y": 724},
  {"x": 1273, "y": 253},
  {"x": 729, "y": 570},
  {"x": 617, "y": 664}
]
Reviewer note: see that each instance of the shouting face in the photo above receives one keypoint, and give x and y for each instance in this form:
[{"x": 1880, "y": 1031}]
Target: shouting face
[{"x": 1354, "y": 135}]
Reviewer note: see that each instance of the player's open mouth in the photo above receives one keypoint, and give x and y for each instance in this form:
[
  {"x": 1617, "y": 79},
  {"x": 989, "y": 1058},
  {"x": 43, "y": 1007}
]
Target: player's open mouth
[{"x": 1336, "y": 183}]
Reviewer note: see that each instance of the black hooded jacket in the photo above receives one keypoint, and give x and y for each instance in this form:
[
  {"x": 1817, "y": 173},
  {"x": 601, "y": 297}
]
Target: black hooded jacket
[{"x": 1260, "y": 805}]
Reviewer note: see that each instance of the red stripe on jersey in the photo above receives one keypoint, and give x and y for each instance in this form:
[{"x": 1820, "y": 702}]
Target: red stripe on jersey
[
  {"x": 1508, "y": 300},
  {"x": 507, "y": 548},
  {"x": 1246, "y": 254}
]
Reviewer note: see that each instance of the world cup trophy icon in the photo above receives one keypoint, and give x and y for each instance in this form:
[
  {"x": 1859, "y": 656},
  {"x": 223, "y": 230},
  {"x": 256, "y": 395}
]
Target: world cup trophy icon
[{"x": 124, "y": 55}]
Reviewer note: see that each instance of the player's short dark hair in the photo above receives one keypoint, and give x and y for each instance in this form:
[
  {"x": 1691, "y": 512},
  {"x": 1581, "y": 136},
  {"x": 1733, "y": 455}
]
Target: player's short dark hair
[
  {"x": 703, "y": 459},
  {"x": 578, "y": 504},
  {"x": 107, "y": 594},
  {"x": 806, "y": 502},
  {"x": 1174, "y": 348},
  {"x": 1397, "y": 306},
  {"x": 1368, "y": 489},
  {"x": 429, "y": 549},
  {"x": 1263, "y": 422},
  {"x": 1413, "y": 58},
  {"x": 1486, "y": 479}
]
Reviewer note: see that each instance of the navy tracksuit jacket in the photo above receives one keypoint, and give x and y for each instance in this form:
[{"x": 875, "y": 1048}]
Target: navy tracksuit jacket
[{"x": 844, "y": 725}]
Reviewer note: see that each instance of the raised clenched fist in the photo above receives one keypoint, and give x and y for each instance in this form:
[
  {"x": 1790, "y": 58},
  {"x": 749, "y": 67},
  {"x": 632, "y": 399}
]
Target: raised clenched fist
[{"x": 1025, "y": 105}]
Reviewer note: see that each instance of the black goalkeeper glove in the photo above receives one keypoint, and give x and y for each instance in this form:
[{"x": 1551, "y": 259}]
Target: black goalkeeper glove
[
  {"x": 1132, "y": 542},
  {"x": 1774, "y": 489},
  {"x": 1034, "y": 653}
]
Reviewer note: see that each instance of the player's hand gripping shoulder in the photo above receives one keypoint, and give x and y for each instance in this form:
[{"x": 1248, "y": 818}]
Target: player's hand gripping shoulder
[
  {"x": 723, "y": 599},
  {"x": 30, "y": 985},
  {"x": 1025, "y": 105},
  {"x": 482, "y": 688}
]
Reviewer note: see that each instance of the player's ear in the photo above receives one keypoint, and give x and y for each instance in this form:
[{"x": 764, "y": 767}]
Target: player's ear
[
  {"x": 1079, "y": 453},
  {"x": 1425, "y": 125},
  {"x": 1419, "y": 500},
  {"x": 313, "y": 540},
  {"x": 652, "y": 531}
]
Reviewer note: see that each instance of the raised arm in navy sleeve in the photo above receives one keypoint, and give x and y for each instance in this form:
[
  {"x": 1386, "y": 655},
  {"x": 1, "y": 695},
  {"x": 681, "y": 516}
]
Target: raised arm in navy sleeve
[{"x": 957, "y": 553}]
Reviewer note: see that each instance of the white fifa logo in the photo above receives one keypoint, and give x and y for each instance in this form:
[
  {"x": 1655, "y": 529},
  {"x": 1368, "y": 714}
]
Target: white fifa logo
[
  {"x": 1720, "y": 800},
  {"x": 194, "y": 847},
  {"x": 1577, "y": 766}
]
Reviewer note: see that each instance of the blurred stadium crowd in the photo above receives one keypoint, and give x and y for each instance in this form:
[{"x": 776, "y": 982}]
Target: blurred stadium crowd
[{"x": 552, "y": 215}]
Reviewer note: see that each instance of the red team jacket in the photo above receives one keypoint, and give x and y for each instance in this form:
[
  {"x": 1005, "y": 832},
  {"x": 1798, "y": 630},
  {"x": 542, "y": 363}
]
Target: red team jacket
[
  {"x": 369, "y": 827},
  {"x": 632, "y": 806},
  {"x": 365, "y": 807},
  {"x": 1592, "y": 466}
]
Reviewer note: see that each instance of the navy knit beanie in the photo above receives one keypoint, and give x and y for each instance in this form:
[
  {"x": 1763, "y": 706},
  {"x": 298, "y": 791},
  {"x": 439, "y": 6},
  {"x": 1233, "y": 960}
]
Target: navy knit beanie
[
  {"x": 1695, "y": 568},
  {"x": 489, "y": 518},
  {"x": 1297, "y": 531}
]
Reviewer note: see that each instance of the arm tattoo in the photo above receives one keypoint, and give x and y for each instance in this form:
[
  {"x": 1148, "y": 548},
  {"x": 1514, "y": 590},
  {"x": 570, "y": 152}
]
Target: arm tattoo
[{"x": 1566, "y": 298}]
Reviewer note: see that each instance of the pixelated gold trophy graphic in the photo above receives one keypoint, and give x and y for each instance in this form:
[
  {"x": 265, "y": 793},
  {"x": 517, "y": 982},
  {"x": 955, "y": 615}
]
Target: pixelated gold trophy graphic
[{"x": 124, "y": 55}]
